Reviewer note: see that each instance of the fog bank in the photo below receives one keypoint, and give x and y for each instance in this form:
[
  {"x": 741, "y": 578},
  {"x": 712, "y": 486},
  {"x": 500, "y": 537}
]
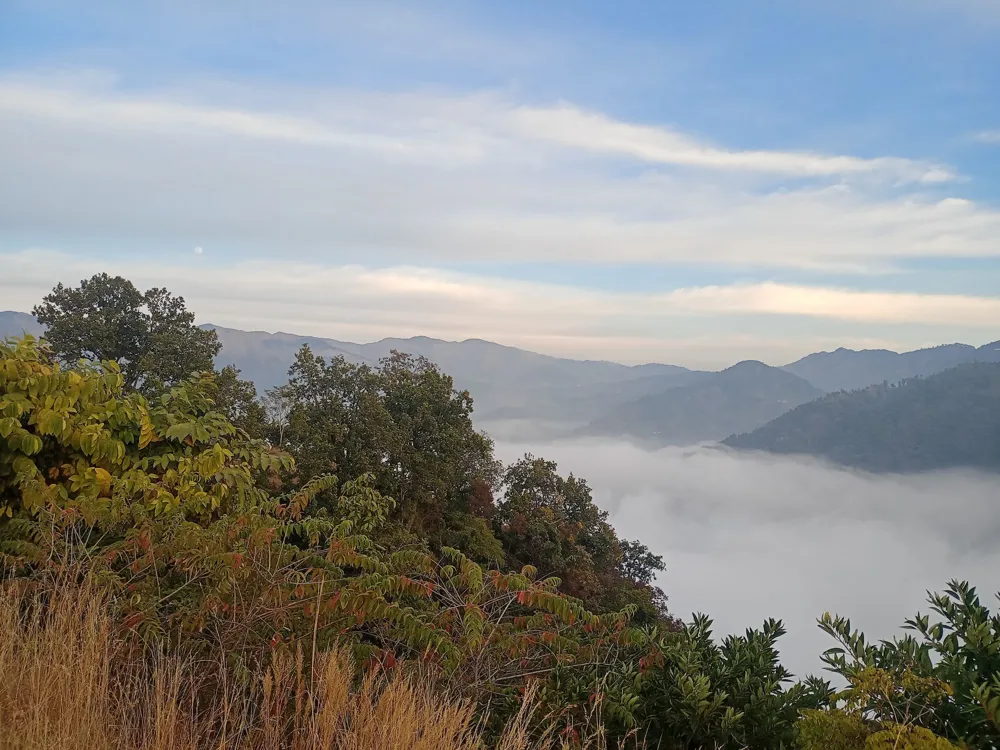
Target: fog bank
[{"x": 750, "y": 536}]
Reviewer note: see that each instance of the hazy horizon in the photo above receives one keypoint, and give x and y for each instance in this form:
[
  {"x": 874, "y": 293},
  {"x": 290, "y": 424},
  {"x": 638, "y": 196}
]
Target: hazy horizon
[{"x": 718, "y": 365}]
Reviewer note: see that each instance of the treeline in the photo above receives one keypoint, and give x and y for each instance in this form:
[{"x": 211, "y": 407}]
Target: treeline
[{"x": 356, "y": 510}]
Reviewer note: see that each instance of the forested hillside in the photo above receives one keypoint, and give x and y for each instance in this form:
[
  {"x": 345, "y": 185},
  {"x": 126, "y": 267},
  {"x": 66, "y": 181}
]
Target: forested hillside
[
  {"x": 342, "y": 562},
  {"x": 847, "y": 369},
  {"x": 920, "y": 424},
  {"x": 742, "y": 397}
]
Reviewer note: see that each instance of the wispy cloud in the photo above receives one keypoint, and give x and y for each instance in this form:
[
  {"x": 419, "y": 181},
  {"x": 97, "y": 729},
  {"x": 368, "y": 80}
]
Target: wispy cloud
[
  {"x": 987, "y": 136},
  {"x": 841, "y": 304},
  {"x": 572, "y": 127},
  {"x": 442, "y": 129},
  {"x": 427, "y": 177},
  {"x": 369, "y": 303}
]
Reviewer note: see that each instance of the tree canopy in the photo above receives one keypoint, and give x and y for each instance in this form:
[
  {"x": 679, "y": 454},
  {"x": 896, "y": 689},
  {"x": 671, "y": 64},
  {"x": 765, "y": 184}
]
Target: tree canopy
[{"x": 151, "y": 334}]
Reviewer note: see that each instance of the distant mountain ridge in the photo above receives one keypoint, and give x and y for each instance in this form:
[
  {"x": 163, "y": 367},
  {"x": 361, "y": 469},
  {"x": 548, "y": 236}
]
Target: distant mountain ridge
[
  {"x": 510, "y": 387},
  {"x": 950, "y": 419},
  {"x": 523, "y": 395},
  {"x": 739, "y": 398},
  {"x": 18, "y": 323},
  {"x": 849, "y": 369}
]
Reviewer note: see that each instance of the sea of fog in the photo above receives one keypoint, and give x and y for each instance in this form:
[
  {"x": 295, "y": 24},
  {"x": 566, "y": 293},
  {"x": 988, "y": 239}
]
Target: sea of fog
[{"x": 750, "y": 536}]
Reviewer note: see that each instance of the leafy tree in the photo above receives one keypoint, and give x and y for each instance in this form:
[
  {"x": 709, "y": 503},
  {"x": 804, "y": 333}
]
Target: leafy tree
[
  {"x": 237, "y": 399},
  {"x": 404, "y": 423},
  {"x": 151, "y": 335},
  {"x": 552, "y": 522},
  {"x": 696, "y": 693},
  {"x": 944, "y": 685},
  {"x": 638, "y": 563}
]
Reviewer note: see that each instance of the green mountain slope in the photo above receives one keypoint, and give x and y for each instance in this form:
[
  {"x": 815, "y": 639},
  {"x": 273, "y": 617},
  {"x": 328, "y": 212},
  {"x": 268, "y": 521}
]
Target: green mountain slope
[
  {"x": 947, "y": 420},
  {"x": 740, "y": 398}
]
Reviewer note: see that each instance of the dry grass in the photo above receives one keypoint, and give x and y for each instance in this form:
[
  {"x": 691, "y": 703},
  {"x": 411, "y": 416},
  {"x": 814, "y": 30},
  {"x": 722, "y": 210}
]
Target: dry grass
[{"x": 66, "y": 681}]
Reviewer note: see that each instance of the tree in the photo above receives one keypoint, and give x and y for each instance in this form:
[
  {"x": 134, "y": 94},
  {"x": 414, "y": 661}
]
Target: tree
[
  {"x": 944, "y": 684},
  {"x": 151, "y": 335},
  {"x": 638, "y": 563},
  {"x": 552, "y": 522},
  {"x": 404, "y": 423},
  {"x": 237, "y": 399}
]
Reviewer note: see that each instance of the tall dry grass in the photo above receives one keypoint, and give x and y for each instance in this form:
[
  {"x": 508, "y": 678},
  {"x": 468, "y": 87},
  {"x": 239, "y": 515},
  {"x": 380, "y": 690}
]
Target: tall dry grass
[{"x": 68, "y": 681}]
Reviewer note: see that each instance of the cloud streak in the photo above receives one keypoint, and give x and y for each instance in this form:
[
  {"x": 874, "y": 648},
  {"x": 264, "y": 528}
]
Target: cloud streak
[
  {"x": 352, "y": 301},
  {"x": 484, "y": 118},
  {"x": 572, "y": 127},
  {"x": 425, "y": 178}
]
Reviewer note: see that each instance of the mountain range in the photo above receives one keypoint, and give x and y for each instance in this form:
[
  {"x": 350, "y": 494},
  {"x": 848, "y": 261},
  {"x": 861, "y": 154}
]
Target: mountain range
[
  {"x": 523, "y": 395},
  {"x": 848, "y": 370},
  {"x": 920, "y": 424},
  {"x": 715, "y": 405}
]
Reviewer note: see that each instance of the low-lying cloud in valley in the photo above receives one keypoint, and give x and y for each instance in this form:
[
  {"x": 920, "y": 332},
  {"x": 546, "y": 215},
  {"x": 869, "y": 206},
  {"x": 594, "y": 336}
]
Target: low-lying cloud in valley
[{"x": 747, "y": 536}]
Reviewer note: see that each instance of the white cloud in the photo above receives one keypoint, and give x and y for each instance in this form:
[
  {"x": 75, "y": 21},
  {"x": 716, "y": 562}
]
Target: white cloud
[
  {"x": 681, "y": 326},
  {"x": 987, "y": 136},
  {"x": 572, "y": 127},
  {"x": 746, "y": 537},
  {"x": 842, "y": 304},
  {"x": 419, "y": 178},
  {"x": 437, "y": 129},
  {"x": 175, "y": 118}
]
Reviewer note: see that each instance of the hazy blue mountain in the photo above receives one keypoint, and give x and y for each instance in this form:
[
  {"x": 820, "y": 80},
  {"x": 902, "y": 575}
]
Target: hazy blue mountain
[
  {"x": 17, "y": 324},
  {"x": 740, "y": 398},
  {"x": 848, "y": 369},
  {"x": 949, "y": 419},
  {"x": 516, "y": 392},
  {"x": 524, "y": 395}
]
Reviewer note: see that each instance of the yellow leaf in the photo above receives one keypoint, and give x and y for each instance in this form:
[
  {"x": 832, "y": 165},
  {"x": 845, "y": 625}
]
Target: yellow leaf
[
  {"x": 103, "y": 481},
  {"x": 147, "y": 434}
]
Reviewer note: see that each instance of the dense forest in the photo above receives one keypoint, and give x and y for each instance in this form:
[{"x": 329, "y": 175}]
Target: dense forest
[
  {"x": 349, "y": 530},
  {"x": 919, "y": 424}
]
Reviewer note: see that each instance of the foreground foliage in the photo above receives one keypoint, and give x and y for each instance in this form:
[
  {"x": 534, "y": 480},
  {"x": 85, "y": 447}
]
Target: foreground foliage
[
  {"x": 943, "y": 682},
  {"x": 181, "y": 518},
  {"x": 73, "y": 681}
]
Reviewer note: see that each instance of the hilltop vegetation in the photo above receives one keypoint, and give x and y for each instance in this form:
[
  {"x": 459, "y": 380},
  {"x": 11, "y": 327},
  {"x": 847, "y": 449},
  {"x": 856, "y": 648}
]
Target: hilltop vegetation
[
  {"x": 920, "y": 424},
  {"x": 322, "y": 550}
]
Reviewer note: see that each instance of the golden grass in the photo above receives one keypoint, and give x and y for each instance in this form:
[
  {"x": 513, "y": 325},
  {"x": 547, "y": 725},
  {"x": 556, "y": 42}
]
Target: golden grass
[{"x": 67, "y": 681}]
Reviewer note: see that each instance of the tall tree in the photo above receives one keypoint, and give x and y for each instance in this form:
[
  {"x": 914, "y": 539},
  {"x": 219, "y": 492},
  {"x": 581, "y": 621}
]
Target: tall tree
[
  {"x": 403, "y": 422},
  {"x": 552, "y": 523},
  {"x": 150, "y": 334}
]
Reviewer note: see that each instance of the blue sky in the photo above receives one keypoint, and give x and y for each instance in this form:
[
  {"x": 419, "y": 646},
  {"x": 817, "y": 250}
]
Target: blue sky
[{"x": 689, "y": 182}]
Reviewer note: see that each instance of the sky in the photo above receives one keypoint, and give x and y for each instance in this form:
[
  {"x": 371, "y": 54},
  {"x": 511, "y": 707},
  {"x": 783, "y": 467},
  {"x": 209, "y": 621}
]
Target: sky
[{"x": 693, "y": 183}]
